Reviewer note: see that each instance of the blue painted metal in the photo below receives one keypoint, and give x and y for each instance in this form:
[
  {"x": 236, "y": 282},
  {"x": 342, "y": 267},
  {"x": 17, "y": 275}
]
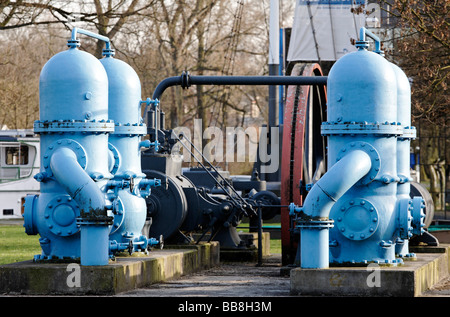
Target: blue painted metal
[
  {"x": 369, "y": 114},
  {"x": 92, "y": 201},
  {"x": 73, "y": 127},
  {"x": 403, "y": 161},
  {"x": 129, "y": 205},
  {"x": 315, "y": 223},
  {"x": 154, "y": 103}
]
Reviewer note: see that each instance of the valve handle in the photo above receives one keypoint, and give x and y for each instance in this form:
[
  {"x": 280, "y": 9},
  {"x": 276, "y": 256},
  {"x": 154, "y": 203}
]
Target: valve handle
[{"x": 130, "y": 247}]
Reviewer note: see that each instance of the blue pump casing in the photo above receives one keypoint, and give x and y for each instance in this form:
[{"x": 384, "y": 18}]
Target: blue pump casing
[
  {"x": 73, "y": 126},
  {"x": 363, "y": 199},
  {"x": 92, "y": 201},
  {"x": 362, "y": 109}
]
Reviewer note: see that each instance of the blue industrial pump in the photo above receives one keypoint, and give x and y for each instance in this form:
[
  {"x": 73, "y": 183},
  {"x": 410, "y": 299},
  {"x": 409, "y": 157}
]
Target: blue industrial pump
[
  {"x": 92, "y": 192},
  {"x": 361, "y": 211}
]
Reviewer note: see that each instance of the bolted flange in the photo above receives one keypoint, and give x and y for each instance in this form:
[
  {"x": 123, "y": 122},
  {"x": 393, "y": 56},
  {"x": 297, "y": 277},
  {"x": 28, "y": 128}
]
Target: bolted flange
[
  {"x": 116, "y": 158},
  {"x": 60, "y": 216},
  {"x": 404, "y": 219},
  {"x": 76, "y": 147},
  {"x": 417, "y": 206},
  {"x": 119, "y": 214},
  {"x": 356, "y": 219}
]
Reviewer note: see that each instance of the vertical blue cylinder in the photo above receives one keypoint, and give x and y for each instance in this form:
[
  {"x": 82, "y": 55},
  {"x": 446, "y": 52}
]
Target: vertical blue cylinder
[
  {"x": 361, "y": 87},
  {"x": 362, "y": 113},
  {"x": 403, "y": 150},
  {"x": 315, "y": 239},
  {"x": 124, "y": 109},
  {"x": 74, "y": 79},
  {"x": 94, "y": 244}
]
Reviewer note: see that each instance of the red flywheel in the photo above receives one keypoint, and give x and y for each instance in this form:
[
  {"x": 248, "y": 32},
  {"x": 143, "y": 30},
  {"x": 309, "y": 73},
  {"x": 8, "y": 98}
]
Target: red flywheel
[{"x": 303, "y": 150}]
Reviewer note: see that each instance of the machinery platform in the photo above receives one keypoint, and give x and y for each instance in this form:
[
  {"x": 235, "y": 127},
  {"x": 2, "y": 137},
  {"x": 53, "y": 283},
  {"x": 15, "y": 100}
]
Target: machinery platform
[
  {"x": 410, "y": 279},
  {"x": 122, "y": 274}
]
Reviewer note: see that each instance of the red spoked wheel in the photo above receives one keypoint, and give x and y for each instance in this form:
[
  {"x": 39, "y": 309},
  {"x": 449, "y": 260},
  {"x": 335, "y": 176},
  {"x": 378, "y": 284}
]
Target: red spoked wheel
[{"x": 303, "y": 150}]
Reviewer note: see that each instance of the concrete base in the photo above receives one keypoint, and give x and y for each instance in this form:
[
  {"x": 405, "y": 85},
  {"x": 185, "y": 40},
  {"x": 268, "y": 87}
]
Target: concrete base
[
  {"x": 412, "y": 278},
  {"x": 123, "y": 274},
  {"x": 244, "y": 254}
]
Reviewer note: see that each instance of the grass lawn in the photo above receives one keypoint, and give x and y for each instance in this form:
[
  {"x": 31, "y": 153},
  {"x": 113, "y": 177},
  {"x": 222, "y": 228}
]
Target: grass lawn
[
  {"x": 16, "y": 245},
  {"x": 275, "y": 246}
]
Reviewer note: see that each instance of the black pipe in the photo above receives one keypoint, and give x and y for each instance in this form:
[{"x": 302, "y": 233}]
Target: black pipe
[{"x": 185, "y": 81}]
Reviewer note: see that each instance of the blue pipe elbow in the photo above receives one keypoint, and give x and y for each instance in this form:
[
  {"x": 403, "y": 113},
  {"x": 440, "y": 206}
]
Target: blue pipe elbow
[
  {"x": 76, "y": 31},
  {"x": 78, "y": 184},
  {"x": 314, "y": 223},
  {"x": 94, "y": 222},
  {"x": 363, "y": 44},
  {"x": 336, "y": 182}
]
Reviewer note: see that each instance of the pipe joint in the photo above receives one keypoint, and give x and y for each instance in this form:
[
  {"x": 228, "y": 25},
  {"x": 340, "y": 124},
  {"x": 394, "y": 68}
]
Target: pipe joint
[
  {"x": 362, "y": 44},
  {"x": 416, "y": 207},
  {"x": 350, "y": 168},
  {"x": 315, "y": 224},
  {"x": 294, "y": 210},
  {"x": 73, "y": 42},
  {"x": 70, "y": 174},
  {"x": 70, "y": 147},
  {"x": 145, "y": 186},
  {"x": 410, "y": 217},
  {"x": 41, "y": 177},
  {"x": 116, "y": 185},
  {"x": 29, "y": 215},
  {"x": 142, "y": 243},
  {"x": 148, "y": 144}
]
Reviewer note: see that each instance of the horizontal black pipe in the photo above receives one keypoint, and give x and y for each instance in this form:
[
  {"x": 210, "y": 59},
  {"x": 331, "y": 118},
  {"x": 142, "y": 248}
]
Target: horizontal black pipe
[{"x": 185, "y": 81}]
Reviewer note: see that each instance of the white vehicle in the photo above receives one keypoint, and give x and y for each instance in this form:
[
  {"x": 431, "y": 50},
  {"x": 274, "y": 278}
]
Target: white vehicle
[{"x": 19, "y": 162}]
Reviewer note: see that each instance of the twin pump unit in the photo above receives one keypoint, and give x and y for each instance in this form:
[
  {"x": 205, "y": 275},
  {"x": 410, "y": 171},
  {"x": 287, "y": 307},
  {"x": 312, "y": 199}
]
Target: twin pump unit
[
  {"x": 92, "y": 198},
  {"x": 92, "y": 190},
  {"x": 361, "y": 211}
]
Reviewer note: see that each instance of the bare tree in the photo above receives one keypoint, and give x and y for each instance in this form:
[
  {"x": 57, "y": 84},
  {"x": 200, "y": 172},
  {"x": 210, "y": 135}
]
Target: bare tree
[
  {"x": 19, "y": 80},
  {"x": 163, "y": 38},
  {"x": 20, "y": 13},
  {"x": 107, "y": 17},
  {"x": 110, "y": 19},
  {"x": 423, "y": 51},
  {"x": 176, "y": 26}
]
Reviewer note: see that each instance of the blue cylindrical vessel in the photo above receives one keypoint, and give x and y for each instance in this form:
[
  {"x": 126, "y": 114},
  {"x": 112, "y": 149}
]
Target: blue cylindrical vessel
[
  {"x": 361, "y": 87},
  {"x": 362, "y": 114},
  {"x": 369, "y": 109},
  {"x": 125, "y": 109},
  {"x": 73, "y": 85},
  {"x": 403, "y": 156},
  {"x": 369, "y": 112}
]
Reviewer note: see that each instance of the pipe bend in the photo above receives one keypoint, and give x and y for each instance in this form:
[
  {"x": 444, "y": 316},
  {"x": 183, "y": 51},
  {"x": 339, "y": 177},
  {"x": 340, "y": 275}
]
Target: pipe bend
[
  {"x": 78, "y": 184},
  {"x": 336, "y": 182}
]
